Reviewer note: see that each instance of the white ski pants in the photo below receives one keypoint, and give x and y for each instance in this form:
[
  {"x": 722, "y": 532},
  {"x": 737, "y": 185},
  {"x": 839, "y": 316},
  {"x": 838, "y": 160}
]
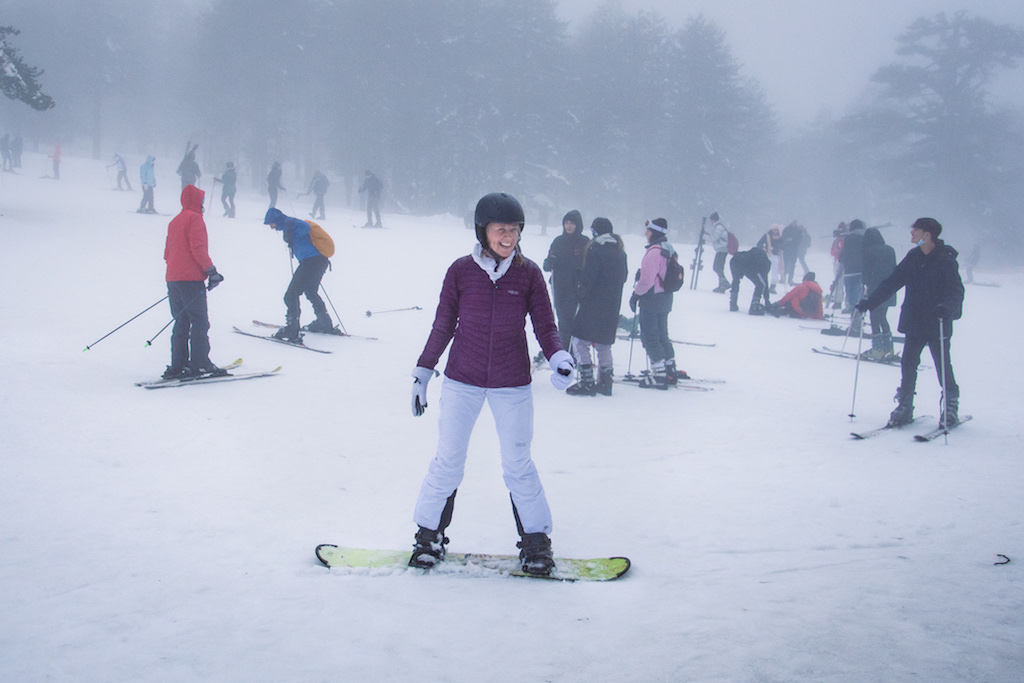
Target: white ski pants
[{"x": 513, "y": 415}]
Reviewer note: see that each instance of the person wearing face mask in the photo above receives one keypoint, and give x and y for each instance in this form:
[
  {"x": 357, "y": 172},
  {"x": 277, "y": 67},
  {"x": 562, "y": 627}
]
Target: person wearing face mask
[
  {"x": 482, "y": 311},
  {"x": 933, "y": 300}
]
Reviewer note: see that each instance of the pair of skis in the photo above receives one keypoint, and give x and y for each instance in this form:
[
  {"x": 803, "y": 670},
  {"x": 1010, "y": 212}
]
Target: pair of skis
[
  {"x": 924, "y": 437},
  {"x": 208, "y": 378}
]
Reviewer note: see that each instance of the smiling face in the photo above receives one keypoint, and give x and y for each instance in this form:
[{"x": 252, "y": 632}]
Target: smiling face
[{"x": 502, "y": 238}]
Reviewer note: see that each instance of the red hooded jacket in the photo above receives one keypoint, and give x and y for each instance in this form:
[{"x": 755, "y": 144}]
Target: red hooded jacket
[
  {"x": 795, "y": 299},
  {"x": 186, "y": 250}
]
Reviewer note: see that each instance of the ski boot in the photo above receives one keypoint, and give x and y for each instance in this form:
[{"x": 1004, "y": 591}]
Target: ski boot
[
  {"x": 290, "y": 331},
  {"x": 904, "y": 412},
  {"x": 723, "y": 285},
  {"x": 535, "y": 554},
  {"x": 429, "y": 548},
  {"x": 733, "y": 305},
  {"x": 172, "y": 373},
  {"x": 756, "y": 308},
  {"x": 585, "y": 386},
  {"x": 655, "y": 379},
  {"x": 604, "y": 382},
  {"x": 951, "y": 406},
  {"x": 321, "y": 325},
  {"x": 673, "y": 374}
]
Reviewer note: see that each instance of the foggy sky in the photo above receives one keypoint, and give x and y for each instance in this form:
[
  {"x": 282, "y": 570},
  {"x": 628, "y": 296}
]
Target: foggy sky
[{"x": 814, "y": 54}]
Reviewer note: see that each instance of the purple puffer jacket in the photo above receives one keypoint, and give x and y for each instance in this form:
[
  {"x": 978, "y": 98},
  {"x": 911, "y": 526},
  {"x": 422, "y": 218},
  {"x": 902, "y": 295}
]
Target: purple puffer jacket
[{"x": 488, "y": 321}]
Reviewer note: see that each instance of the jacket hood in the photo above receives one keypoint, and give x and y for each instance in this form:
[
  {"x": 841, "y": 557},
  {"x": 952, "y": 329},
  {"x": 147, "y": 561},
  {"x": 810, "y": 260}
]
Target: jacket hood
[
  {"x": 150, "y": 159},
  {"x": 274, "y": 217},
  {"x": 574, "y": 217},
  {"x": 192, "y": 198},
  {"x": 873, "y": 238}
]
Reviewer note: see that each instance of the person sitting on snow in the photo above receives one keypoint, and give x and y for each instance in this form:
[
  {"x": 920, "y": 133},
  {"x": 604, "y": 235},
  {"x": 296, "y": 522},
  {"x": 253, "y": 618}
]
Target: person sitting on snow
[{"x": 803, "y": 301}]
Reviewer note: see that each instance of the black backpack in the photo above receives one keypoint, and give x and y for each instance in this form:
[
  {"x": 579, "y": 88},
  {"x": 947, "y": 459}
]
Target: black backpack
[{"x": 674, "y": 274}]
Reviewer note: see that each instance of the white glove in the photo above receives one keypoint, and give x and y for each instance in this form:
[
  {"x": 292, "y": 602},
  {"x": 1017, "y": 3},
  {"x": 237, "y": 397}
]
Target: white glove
[
  {"x": 421, "y": 377},
  {"x": 562, "y": 367}
]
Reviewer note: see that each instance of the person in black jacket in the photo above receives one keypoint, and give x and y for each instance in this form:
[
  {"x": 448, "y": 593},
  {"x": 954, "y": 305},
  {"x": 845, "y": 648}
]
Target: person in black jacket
[
  {"x": 879, "y": 260},
  {"x": 564, "y": 261},
  {"x": 274, "y": 183},
  {"x": 599, "y": 294},
  {"x": 933, "y": 300},
  {"x": 753, "y": 264},
  {"x": 372, "y": 186},
  {"x": 229, "y": 179}
]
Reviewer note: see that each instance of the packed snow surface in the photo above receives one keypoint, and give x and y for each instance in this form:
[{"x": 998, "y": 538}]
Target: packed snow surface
[{"x": 169, "y": 535}]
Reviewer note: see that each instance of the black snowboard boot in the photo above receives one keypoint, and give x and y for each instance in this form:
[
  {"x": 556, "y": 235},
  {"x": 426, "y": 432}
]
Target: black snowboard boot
[
  {"x": 604, "y": 382},
  {"x": 756, "y": 308},
  {"x": 535, "y": 554},
  {"x": 585, "y": 386},
  {"x": 429, "y": 548},
  {"x": 904, "y": 412},
  {"x": 733, "y": 303}
]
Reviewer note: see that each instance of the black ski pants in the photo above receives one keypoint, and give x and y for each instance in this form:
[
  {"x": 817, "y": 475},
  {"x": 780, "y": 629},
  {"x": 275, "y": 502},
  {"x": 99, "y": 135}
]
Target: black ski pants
[
  {"x": 912, "y": 348},
  {"x": 190, "y": 340},
  {"x": 306, "y": 280}
]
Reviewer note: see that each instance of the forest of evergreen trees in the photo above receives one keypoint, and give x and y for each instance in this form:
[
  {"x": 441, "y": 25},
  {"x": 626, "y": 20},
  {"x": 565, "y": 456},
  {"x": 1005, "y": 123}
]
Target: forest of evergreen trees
[{"x": 626, "y": 116}]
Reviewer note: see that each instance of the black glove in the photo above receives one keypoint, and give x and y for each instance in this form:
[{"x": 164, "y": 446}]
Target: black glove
[
  {"x": 862, "y": 306},
  {"x": 637, "y": 278},
  {"x": 215, "y": 278},
  {"x": 633, "y": 300},
  {"x": 942, "y": 310}
]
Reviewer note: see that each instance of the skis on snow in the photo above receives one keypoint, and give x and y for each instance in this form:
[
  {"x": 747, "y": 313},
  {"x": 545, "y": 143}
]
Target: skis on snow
[
  {"x": 336, "y": 331},
  {"x": 230, "y": 366},
  {"x": 940, "y": 430},
  {"x": 470, "y": 564},
  {"x": 298, "y": 345},
  {"x": 210, "y": 379},
  {"x": 887, "y": 428}
]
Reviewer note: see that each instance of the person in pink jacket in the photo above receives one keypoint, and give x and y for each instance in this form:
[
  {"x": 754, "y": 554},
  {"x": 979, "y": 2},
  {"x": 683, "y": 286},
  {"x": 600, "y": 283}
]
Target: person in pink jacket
[
  {"x": 655, "y": 305},
  {"x": 188, "y": 267},
  {"x": 482, "y": 312}
]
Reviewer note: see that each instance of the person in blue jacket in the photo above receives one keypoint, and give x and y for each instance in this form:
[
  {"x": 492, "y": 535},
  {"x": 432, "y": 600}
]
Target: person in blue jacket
[{"x": 305, "y": 280}]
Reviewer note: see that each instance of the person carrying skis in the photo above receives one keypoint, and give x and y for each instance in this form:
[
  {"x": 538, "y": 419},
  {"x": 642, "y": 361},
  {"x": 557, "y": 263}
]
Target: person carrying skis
[
  {"x": 372, "y": 186},
  {"x": 229, "y": 179},
  {"x": 934, "y": 295},
  {"x": 720, "y": 243},
  {"x": 655, "y": 304},
  {"x": 188, "y": 267},
  {"x": 604, "y": 273},
  {"x": 564, "y": 261},
  {"x": 482, "y": 311},
  {"x": 147, "y": 176},
  {"x": 305, "y": 279},
  {"x": 878, "y": 261},
  {"x": 753, "y": 264},
  {"x": 803, "y": 301},
  {"x": 318, "y": 187},
  {"x": 274, "y": 183}
]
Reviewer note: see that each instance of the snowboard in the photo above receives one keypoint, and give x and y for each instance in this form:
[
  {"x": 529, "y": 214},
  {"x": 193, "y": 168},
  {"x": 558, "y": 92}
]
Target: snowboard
[{"x": 471, "y": 564}]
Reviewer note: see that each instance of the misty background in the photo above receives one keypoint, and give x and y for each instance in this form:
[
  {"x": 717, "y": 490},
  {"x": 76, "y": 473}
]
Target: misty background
[{"x": 624, "y": 109}]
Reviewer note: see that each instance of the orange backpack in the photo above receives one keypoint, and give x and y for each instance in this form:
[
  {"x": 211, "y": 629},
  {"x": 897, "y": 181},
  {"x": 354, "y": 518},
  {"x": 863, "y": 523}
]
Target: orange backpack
[{"x": 321, "y": 240}]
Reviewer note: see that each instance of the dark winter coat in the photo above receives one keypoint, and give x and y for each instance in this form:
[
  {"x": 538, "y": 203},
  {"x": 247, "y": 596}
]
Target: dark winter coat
[
  {"x": 930, "y": 279},
  {"x": 230, "y": 180},
  {"x": 565, "y": 260},
  {"x": 274, "y": 178},
  {"x": 600, "y": 290},
  {"x": 371, "y": 185},
  {"x": 488, "y": 323},
  {"x": 852, "y": 255},
  {"x": 188, "y": 169},
  {"x": 879, "y": 260},
  {"x": 319, "y": 184}
]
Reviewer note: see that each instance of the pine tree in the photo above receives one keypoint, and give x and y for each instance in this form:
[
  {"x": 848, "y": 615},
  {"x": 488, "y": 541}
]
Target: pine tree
[{"x": 18, "y": 80}]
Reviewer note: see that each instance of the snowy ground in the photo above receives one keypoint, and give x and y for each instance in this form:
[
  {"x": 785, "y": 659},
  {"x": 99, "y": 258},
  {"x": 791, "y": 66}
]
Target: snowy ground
[{"x": 169, "y": 535}]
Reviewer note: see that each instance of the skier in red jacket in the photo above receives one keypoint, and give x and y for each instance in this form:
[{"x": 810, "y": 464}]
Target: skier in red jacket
[{"x": 188, "y": 268}]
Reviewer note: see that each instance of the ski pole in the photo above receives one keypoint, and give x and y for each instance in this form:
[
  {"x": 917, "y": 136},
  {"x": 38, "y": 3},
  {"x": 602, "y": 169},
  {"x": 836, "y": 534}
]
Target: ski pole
[
  {"x": 856, "y": 373},
  {"x": 121, "y": 325},
  {"x": 945, "y": 397},
  {"x": 338, "y": 317},
  {"x": 174, "y": 317},
  {"x": 393, "y": 310},
  {"x": 632, "y": 337}
]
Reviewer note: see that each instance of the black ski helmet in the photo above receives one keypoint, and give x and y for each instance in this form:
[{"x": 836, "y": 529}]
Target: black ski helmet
[{"x": 497, "y": 207}]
